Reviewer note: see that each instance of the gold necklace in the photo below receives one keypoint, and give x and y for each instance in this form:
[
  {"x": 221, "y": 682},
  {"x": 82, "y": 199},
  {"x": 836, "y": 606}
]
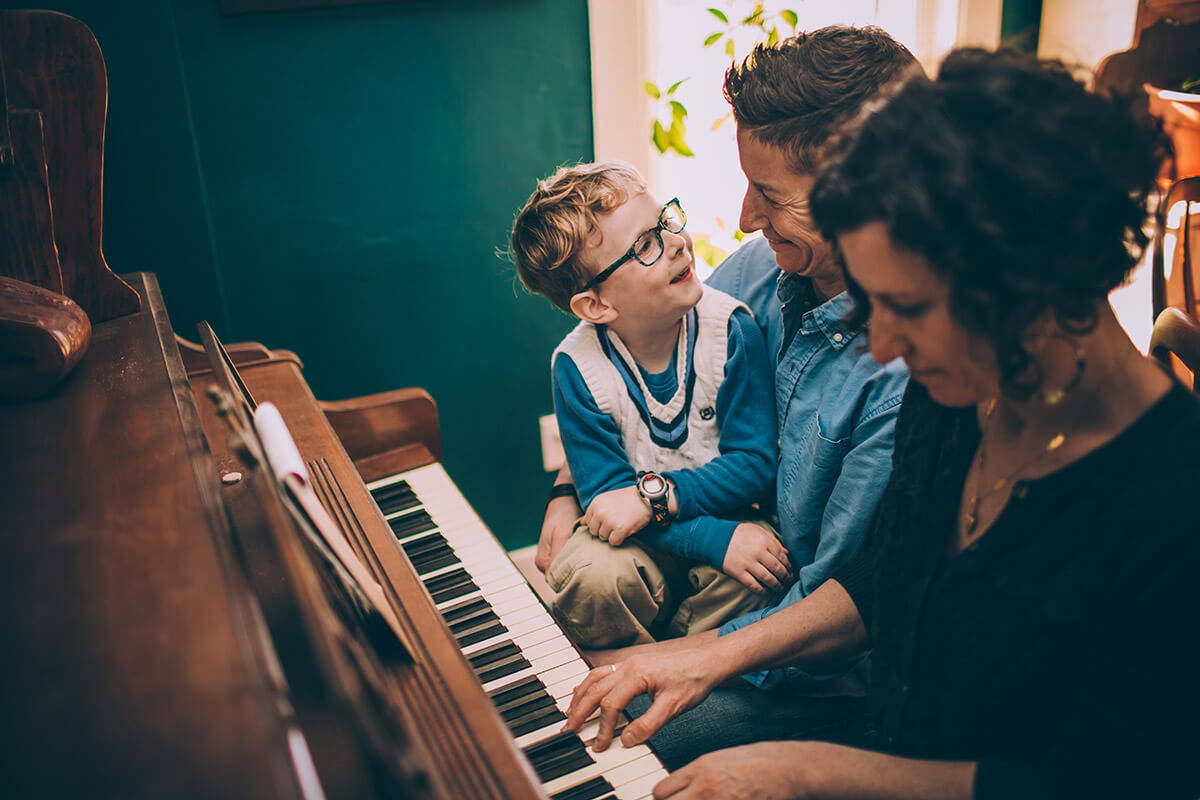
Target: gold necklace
[{"x": 971, "y": 521}]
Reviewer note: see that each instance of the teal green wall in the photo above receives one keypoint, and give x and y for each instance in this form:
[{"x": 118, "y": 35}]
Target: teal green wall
[
  {"x": 1020, "y": 24},
  {"x": 337, "y": 181}
]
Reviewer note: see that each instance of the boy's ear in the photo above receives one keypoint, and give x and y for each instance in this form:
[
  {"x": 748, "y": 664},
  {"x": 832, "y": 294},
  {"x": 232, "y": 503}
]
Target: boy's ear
[{"x": 591, "y": 307}]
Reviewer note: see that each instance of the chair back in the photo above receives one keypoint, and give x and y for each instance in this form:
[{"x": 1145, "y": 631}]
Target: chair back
[
  {"x": 1176, "y": 342},
  {"x": 1173, "y": 261}
]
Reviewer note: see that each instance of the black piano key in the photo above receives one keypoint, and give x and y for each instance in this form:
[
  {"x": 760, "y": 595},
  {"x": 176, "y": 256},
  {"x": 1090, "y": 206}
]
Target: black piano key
[
  {"x": 450, "y": 585},
  {"x": 434, "y": 560},
  {"x": 516, "y": 693},
  {"x": 395, "y": 498},
  {"x": 407, "y": 525},
  {"x": 468, "y": 613},
  {"x": 526, "y": 687},
  {"x": 502, "y": 667},
  {"x": 525, "y": 706},
  {"x": 463, "y": 609},
  {"x": 480, "y": 633},
  {"x": 498, "y": 660},
  {"x": 519, "y": 711},
  {"x": 595, "y": 789},
  {"x": 395, "y": 487},
  {"x": 535, "y": 720},
  {"x": 431, "y": 541},
  {"x": 491, "y": 653},
  {"x": 558, "y": 756}
]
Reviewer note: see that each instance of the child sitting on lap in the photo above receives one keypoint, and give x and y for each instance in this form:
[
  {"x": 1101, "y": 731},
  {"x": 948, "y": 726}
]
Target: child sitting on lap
[{"x": 664, "y": 403}]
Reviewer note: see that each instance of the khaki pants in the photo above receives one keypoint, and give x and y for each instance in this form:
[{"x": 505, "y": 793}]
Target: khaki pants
[{"x": 607, "y": 596}]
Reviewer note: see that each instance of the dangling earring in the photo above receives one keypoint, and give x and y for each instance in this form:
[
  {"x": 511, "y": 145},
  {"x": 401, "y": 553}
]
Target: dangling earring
[{"x": 1053, "y": 397}]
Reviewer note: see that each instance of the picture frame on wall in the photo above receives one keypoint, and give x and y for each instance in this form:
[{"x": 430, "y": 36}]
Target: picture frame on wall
[{"x": 258, "y": 6}]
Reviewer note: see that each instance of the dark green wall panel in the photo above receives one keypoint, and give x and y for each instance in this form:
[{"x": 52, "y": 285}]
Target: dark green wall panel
[{"x": 337, "y": 181}]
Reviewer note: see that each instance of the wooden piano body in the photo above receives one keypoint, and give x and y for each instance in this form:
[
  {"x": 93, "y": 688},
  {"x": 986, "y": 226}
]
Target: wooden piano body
[{"x": 166, "y": 633}]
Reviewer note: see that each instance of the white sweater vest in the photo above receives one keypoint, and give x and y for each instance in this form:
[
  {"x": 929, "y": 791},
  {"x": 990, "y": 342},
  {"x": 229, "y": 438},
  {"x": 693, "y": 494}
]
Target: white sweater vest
[{"x": 677, "y": 434}]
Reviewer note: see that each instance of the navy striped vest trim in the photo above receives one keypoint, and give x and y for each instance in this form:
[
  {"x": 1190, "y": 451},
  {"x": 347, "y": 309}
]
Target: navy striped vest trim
[{"x": 672, "y": 433}]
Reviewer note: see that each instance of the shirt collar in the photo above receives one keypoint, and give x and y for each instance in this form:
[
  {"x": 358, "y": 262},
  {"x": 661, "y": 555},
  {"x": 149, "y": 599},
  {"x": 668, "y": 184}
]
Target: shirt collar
[{"x": 827, "y": 318}]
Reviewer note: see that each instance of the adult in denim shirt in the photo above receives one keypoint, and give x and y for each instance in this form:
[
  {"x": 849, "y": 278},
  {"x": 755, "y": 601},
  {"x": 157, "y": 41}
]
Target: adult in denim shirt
[{"x": 836, "y": 407}]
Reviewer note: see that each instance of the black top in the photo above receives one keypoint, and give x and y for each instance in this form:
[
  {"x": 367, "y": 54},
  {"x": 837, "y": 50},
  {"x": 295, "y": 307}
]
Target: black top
[{"x": 1058, "y": 650}]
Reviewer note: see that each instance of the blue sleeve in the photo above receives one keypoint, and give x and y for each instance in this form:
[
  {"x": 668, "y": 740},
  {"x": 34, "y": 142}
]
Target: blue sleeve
[
  {"x": 590, "y": 438},
  {"x": 744, "y": 472},
  {"x": 702, "y": 538},
  {"x": 846, "y": 519}
]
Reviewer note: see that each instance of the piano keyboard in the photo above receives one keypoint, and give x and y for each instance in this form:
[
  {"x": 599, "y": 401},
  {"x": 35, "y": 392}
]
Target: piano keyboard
[{"x": 526, "y": 665}]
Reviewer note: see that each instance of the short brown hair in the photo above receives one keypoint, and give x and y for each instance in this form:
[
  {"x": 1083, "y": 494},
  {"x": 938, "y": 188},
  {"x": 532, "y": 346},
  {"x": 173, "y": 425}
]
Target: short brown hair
[
  {"x": 554, "y": 226},
  {"x": 797, "y": 95}
]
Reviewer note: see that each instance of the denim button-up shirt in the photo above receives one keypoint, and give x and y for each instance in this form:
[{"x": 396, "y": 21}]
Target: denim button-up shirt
[{"x": 836, "y": 410}]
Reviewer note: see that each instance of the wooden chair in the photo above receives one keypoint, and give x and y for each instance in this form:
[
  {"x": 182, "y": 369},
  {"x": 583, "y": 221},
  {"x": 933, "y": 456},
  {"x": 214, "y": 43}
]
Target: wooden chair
[
  {"x": 1176, "y": 342},
  {"x": 1173, "y": 275}
]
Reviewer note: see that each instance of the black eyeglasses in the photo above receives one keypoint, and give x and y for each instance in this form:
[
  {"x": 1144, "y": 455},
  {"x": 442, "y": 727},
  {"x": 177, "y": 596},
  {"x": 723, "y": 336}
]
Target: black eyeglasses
[{"x": 648, "y": 247}]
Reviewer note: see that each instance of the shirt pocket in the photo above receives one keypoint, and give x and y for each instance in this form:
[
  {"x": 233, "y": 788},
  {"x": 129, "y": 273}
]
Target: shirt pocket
[{"x": 812, "y": 472}]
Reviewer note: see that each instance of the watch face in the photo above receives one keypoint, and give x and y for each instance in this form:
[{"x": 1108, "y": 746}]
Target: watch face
[{"x": 653, "y": 484}]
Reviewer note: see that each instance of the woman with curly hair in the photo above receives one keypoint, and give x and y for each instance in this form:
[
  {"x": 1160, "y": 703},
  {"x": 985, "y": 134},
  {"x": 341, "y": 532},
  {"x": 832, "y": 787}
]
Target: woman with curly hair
[{"x": 1027, "y": 592}]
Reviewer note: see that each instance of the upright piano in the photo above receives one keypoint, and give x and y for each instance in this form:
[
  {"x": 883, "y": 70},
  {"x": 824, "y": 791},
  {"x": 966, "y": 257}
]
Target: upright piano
[{"x": 170, "y": 629}]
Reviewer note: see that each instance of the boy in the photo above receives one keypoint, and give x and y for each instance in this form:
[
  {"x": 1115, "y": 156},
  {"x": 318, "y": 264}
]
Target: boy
[{"x": 664, "y": 404}]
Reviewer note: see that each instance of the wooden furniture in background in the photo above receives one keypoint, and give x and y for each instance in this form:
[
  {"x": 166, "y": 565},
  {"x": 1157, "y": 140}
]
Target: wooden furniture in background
[
  {"x": 43, "y": 335},
  {"x": 1153, "y": 11},
  {"x": 1176, "y": 342},
  {"x": 1174, "y": 264},
  {"x": 55, "y": 94}
]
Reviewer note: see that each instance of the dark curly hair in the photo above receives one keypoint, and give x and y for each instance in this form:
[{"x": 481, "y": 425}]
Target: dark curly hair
[
  {"x": 1023, "y": 190},
  {"x": 797, "y": 94}
]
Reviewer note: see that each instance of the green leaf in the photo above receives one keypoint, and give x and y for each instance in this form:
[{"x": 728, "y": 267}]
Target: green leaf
[
  {"x": 722, "y": 120},
  {"x": 713, "y": 38},
  {"x": 729, "y": 48},
  {"x": 755, "y": 18},
  {"x": 738, "y": 236},
  {"x": 675, "y": 86},
  {"x": 705, "y": 250},
  {"x": 790, "y": 17},
  {"x": 660, "y": 138},
  {"x": 719, "y": 14},
  {"x": 652, "y": 90},
  {"x": 677, "y": 110},
  {"x": 675, "y": 136},
  {"x": 773, "y": 38}
]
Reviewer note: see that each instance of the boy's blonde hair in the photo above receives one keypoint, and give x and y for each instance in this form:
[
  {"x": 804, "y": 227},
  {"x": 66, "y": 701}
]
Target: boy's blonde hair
[{"x": 554, "y": 227}]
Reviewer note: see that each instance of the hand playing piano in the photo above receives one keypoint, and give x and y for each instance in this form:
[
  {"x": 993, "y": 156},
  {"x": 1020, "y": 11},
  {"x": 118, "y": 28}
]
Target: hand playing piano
[
  {"x": 757, "y": 559},
  {"x": 616, "y": 515},
  {"x": 676, "y": 675}
]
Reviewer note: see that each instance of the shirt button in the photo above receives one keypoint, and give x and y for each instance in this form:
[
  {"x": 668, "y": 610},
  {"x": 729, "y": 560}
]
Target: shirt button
[
  {"x": 904, "y": 689},
  {"x": 837, "y": 337}
]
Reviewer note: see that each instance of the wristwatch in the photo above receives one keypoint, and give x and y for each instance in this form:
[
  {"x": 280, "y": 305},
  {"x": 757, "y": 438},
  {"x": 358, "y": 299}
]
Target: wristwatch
[{"x": 653, "y": 489}]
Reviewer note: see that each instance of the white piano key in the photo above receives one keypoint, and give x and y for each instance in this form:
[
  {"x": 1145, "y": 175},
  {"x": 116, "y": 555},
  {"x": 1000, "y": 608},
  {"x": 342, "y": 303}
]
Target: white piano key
[
  {"x": 612, "y": 758},
  {"x": 640, "y": 787},
  {"x": 572, "y": 671}
]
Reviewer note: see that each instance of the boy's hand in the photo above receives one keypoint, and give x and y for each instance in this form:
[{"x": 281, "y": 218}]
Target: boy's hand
[
  {"x": 615, "y": 516},
  {"x": 757, "y": 559},
  {"x": 562, "y": 513}
]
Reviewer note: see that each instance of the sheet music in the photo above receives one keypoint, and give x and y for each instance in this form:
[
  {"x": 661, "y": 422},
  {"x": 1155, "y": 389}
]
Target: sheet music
[{"x": 286, "y": 464}]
